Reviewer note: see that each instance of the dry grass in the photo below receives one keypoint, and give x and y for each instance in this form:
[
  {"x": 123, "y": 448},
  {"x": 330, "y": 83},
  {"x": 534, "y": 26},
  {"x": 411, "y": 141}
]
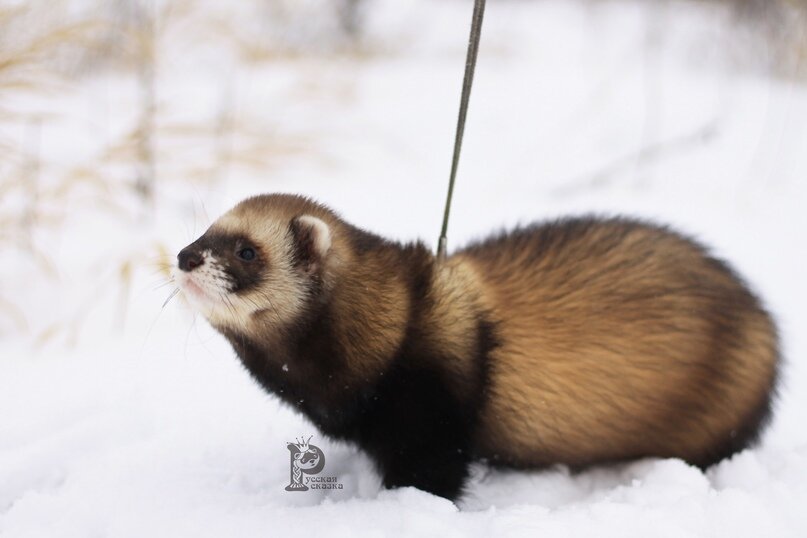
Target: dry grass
[
  {"x": 41, "y": 53},
  {"x": 30, "y": 44}
]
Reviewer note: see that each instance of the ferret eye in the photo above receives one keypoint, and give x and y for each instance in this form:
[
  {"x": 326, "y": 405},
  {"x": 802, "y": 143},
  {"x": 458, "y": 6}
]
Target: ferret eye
[{"x": 247, "y": 254}]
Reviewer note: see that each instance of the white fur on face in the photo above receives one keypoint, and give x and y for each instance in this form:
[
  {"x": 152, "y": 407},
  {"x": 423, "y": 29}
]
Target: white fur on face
[
  {"x": 279, "y": 298},
  {"x": 207, "y": 286}
]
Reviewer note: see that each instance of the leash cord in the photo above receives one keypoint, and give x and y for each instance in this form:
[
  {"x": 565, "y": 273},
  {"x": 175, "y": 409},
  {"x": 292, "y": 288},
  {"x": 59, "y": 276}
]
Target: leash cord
[{"x": 470, "y": 64}]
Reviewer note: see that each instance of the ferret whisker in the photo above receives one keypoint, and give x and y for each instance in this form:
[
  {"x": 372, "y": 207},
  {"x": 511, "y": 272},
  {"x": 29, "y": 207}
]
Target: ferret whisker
[
  {"x": 171, "y": 296},
  {"x": 162, "y": 285}
]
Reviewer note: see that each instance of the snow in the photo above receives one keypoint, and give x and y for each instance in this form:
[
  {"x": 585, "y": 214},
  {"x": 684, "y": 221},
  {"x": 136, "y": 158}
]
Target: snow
[{"x": 122, "y": 418}]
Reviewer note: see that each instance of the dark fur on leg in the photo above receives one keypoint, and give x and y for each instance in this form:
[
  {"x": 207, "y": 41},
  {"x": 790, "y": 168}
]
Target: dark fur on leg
[{"x": 419, "y": 434}]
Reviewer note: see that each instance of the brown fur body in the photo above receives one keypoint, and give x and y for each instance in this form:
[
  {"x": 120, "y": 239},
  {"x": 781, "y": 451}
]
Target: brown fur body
[
  {"x": 580, "y": 341},
  {"x": 619, "y": 340}
]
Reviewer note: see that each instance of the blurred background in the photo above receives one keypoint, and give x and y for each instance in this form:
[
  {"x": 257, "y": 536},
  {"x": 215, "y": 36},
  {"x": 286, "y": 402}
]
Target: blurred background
[
  {"x": 123, "y": 121},
  {"x": 128, "y": 126}
]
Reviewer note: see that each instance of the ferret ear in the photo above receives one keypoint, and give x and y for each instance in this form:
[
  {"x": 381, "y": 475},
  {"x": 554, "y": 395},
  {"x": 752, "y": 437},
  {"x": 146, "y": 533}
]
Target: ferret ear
[{"x": 312, "y": 242}]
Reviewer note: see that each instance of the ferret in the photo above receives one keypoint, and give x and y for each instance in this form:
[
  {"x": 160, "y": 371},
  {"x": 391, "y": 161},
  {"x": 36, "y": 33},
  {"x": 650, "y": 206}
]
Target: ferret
[{"x": 579, "y": 341}]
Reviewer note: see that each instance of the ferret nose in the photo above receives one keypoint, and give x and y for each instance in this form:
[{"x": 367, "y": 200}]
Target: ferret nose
[{"x": 189, "y": 259}]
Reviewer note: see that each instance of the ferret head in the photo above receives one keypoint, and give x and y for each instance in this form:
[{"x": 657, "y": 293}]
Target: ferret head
[{"x": 265, "y": 258}]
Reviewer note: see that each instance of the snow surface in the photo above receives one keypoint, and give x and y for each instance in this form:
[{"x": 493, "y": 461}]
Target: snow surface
[{"x": 124, "y": 419}]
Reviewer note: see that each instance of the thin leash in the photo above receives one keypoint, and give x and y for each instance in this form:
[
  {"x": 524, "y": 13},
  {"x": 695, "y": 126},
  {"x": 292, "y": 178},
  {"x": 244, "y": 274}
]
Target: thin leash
[{"x": 470, "y": 64}]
